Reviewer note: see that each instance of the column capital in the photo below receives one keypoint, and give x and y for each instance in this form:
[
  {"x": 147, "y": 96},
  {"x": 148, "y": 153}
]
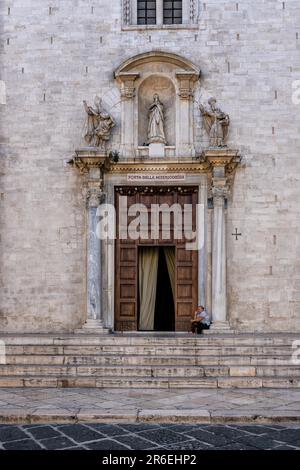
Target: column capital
[
  {"x": 220, "y": 193},
  {"x": 187, "y": 82},
  {"x": 94, "y": 197},
  {"x": 127, "y": 81},
  {"x": 222, "y": 164}
]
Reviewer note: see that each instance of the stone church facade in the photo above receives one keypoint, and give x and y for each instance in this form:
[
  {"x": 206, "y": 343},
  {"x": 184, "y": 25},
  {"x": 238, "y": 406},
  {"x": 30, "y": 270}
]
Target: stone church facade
[{"x": 56, "y": 275}]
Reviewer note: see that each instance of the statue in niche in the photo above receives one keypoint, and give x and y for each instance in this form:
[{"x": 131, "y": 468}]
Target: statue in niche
[
  {"x": 156, "y": 133},
  {"x": 98, "y": 124},
  {"x": 216, "y": 123}
]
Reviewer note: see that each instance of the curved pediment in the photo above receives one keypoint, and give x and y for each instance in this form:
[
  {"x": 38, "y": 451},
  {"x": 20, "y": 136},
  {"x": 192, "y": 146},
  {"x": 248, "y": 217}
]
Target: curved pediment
[{"x": 134, "y": 63}]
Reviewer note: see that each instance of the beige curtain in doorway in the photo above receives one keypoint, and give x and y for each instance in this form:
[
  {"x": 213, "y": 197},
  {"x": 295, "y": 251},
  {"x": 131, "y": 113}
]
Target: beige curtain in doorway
[
  {"x": 148, "y": 266},
  {"x": 169, "y": 252}
]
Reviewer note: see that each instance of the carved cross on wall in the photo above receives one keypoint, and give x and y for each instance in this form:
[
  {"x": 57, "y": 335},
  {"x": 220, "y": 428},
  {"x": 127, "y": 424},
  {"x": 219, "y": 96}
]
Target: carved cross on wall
[{"x": 236, "y": 234}]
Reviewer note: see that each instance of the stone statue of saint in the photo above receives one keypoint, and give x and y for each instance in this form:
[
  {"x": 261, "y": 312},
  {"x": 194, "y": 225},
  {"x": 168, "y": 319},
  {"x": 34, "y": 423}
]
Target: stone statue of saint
[
  {"x": 216, "y": 123},
  {"x": 156, "y": 133},
  {"x": 98, "y": 124}
]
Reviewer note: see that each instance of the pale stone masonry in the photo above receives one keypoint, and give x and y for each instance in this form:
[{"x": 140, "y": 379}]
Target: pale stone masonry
[{"x": 54, "y": 55}]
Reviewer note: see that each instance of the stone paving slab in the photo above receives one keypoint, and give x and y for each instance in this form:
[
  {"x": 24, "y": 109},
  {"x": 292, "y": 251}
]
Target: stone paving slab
[
  {"x": 23, "y": 406},
  {"x": 149, "y": 436}
]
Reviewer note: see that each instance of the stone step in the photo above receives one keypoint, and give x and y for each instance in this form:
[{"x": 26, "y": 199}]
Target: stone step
[
  {"x": 149, "y": 371},
  {"x": 147, "y": 360},
  {"x": 157, "y": 339},
  {"x": 134, "y": 382},
  {"x": 151, "y": 350},
  {"x": 163, "y": 361}
]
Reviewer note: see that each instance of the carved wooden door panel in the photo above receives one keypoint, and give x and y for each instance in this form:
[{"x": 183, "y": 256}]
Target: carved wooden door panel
[
  {"x": 186, "y": 292},
  {"x": 186, "y": 262},
  {"x": 126, "y": 263}
]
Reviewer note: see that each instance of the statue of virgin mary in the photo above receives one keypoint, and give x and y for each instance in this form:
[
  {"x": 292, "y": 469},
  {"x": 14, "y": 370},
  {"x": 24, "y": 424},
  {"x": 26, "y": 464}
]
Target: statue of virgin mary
[{"x": 156, "y": 133}]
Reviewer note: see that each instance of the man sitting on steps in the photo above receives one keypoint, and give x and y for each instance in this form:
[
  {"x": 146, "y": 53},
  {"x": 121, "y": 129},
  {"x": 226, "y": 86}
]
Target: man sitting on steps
[{"x": 200, "y": 321}]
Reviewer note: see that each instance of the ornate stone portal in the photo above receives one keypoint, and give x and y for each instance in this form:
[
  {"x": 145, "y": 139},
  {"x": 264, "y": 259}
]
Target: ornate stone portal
[{"x": 215, "y": 167}]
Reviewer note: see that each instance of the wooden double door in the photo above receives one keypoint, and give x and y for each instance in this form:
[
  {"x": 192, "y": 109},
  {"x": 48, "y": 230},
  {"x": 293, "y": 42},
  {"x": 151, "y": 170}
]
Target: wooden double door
[{"x": 127, "y": 253}]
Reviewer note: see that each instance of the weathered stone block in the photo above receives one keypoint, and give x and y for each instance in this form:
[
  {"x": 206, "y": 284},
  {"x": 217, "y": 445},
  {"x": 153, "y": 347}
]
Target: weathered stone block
[{"x": 242, "y": 371}]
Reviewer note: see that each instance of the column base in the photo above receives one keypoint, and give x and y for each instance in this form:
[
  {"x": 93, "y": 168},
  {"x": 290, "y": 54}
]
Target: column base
[
  {"x": 93, "y": 327},
  {"x": 219, "y": 327}
]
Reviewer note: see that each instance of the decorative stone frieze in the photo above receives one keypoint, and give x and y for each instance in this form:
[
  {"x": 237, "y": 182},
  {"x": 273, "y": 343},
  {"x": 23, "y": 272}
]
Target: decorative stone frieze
[
  {"x": 131, "y": 190},
  {"x": 193, "y": 11},
  {"x": 126, "y": 12},
  {"x": 171, "y": 166}
]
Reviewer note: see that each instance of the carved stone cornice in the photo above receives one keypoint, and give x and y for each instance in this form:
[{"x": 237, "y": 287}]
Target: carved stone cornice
[
  {"x": 221, "y": 157},
  {"x": 160, "y": 167},
  {"x": 86, "y": 159}
]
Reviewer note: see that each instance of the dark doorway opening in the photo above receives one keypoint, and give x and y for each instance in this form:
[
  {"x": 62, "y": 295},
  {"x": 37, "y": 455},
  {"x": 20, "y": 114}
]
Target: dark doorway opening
[{"x": 164, "y": 317}]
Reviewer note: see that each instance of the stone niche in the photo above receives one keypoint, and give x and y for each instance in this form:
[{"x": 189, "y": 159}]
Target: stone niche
[
  {"x": 164, "y": 87},
  {"x": 174, "y": 79}
]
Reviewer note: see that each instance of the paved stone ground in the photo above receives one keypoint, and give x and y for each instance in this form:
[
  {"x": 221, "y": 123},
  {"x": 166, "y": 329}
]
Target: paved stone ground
[
  {"x": 143, "y": 436},
  {"x": 33, "y": 405}
]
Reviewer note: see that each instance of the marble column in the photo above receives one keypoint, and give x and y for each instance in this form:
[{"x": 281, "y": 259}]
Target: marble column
[
  {"x": 202, "y": 244},
  {"x": 223, "y": 161},
  {"x": 219, "y": 291},
  {"x": 94, "y": 322},
  {"x": 220, "y": 192}
]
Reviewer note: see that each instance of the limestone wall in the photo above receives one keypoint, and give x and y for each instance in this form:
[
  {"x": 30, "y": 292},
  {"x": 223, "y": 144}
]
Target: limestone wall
[{"x": 54, "y": 55}]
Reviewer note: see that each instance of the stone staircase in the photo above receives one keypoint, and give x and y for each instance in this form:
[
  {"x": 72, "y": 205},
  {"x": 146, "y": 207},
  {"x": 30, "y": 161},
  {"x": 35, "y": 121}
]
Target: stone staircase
[{"x": 150, "y": 361}]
